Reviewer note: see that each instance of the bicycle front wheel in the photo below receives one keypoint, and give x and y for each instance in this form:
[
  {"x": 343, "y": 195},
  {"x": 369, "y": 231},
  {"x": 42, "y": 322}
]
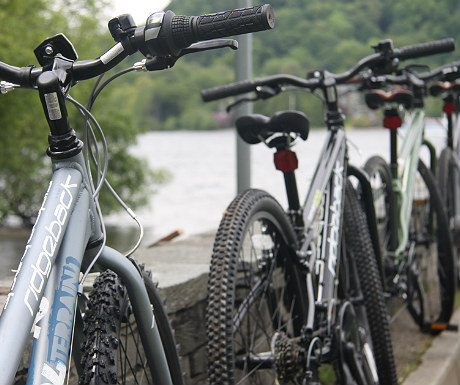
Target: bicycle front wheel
[
  {"x": 385, "y": 213},
  {"x": 364, "y": 339},
  {"x": 112, "y": 352},
  {"x": 256, "y": 306},
  {"x": 431, "y": 274},
  {"x": 449, "y": 185}
]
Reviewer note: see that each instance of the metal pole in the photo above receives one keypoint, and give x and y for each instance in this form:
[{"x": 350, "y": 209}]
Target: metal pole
[{"x": 243, "y": 71}]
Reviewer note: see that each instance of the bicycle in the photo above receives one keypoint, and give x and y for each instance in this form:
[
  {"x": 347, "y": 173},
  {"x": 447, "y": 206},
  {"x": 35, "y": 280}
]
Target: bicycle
[
  {"x": 68, "y": 239},
  {"x": 291, "y": 292},
  {"x": 418, "y": 260},
  {"x": 445, "y": 85}
]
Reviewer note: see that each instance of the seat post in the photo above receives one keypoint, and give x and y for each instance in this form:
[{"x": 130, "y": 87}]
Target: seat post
[
  {"x": 392, "y": 120},
  {"x": 286, "y": 161},
  {"x": 291, "y": 190}
]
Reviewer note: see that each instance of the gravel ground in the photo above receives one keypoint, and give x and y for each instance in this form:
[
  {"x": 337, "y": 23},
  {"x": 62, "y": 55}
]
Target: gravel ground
[{"x": 409, "y": 344}]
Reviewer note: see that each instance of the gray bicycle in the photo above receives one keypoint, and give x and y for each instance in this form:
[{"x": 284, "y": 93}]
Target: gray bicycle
[
  {"x": 296, "y": 294},
  {"x": 121, "y": 332}
]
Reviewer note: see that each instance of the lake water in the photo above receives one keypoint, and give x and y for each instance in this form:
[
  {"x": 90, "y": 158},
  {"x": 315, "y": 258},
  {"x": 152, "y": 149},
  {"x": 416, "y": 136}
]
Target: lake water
[{"x": 203, "y": 183}]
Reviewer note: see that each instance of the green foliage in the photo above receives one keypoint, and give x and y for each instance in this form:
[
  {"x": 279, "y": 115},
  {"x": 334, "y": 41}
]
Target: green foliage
[
  {"x": 171, "y": 99},
  {"x": 309, "y": 35},
  {"x": 23, "y": 164},
  {"x": 23, "y": 137}
]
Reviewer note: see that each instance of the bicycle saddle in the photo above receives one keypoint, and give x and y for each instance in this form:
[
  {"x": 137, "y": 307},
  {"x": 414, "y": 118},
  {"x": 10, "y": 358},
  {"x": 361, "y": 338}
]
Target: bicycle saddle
[
  {"x": 439, "y": 87},
  {"x": 255, "y": 128},
  {"x": 376, "y": 98}
]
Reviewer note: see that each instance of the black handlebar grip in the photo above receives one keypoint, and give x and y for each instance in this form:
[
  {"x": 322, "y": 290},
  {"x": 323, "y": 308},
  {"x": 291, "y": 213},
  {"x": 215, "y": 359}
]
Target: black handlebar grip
[
  {"x": 234, "y": 22},
  {"x": 425, "y": 49},
  {"x": 178, "y": 32},
  {"x": 227, "y": 90},
  {"x": 186, "y": 30}
]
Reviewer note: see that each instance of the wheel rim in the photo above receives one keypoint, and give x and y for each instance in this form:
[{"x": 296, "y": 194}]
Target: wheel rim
[
  {"x": 423, "y": 276},
  {"x": 263, "y": 306},
  {"x": 132, "y": 362},
  {"x": 382, "y": 213},
  {"x": 356, "y": 357}
]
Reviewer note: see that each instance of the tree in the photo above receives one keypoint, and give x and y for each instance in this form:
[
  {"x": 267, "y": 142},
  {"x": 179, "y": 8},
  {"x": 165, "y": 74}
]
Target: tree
[
  {"x": 331, "y": 35},
  {"x": 23, "y": 137}
]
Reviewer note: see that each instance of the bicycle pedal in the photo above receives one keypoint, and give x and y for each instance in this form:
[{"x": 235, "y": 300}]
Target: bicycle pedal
[{"x": 440, "y": 326}]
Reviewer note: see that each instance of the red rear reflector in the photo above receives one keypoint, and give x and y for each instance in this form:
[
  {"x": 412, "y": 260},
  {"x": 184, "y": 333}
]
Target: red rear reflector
[
  {"x": 392, "y": 122},
  {"x": 448, "y": 108},
  {"x": 286, "y": 160}
]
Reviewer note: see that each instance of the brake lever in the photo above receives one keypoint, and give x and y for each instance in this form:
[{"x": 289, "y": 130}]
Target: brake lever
[
  {"x": 209, "y": 45},
  {"x": 158, "y": 63},
  {"x": 262, "y": 93},
  {"x": 239, "y": 101},
  {"x": 416, "y": 68}
]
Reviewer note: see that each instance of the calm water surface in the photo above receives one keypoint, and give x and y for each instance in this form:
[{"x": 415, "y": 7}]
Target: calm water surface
[{"x": 203, "y": 183}]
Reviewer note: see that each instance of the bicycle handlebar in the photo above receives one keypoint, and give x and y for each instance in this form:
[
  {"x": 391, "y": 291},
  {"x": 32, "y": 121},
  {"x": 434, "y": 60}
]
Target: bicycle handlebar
[
  {"x": 164, "y": 34},
  {"x": 179, "y": 32},
  {"x": 245, "y": 86},
  {"x": 448, "y": 72},
  {"x": 382, "y": 61},
  {"x": 425, "y": 49},
  {"x": 231, "y": 89},
  {"x": 222, "y": 24}
]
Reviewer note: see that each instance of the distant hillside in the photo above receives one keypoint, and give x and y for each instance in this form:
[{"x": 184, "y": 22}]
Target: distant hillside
[{"x": 311, "y": 34}]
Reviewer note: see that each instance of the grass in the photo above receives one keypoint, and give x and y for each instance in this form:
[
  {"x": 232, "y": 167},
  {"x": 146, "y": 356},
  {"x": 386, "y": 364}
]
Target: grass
[{"x": 417, "y": 360}]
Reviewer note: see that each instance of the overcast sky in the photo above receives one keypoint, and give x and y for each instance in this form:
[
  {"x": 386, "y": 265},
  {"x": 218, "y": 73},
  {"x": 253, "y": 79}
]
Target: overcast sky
[{"x": 139, "y": 9}]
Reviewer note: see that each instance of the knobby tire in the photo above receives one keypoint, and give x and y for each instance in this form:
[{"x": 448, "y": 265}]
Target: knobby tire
[
  {"x": 449, "y": 186},
  {"x": 255, "y": 290},
  {"x": 112, "y": 352},
  {"x": 359, "y": 252}
]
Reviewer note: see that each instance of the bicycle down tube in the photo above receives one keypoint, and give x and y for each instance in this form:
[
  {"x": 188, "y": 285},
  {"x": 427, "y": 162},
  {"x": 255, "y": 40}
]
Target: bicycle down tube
[
  {"x": 327, "y": 184},
  {"x": 34, "y": 270},
  {"x": 49, "y": 275}
]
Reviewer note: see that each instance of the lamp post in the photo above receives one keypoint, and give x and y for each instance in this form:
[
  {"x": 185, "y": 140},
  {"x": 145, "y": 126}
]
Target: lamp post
[{"x": 243, "y": 71}]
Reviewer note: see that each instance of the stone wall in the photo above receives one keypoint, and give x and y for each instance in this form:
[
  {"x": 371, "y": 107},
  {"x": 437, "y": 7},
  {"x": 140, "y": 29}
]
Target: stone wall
[{"x": 186, "y": 304}]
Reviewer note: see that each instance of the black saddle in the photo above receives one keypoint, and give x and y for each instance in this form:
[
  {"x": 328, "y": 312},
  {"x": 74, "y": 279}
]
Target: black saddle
[
  {"x": 377, "y": 98},
  {"x": 439, "y": 87},
  {"x": 256, "y": 128}
]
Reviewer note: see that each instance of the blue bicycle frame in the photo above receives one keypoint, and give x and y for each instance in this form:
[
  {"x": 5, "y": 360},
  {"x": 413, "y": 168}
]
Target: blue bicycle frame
[{"x": 43, "y": 295}]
